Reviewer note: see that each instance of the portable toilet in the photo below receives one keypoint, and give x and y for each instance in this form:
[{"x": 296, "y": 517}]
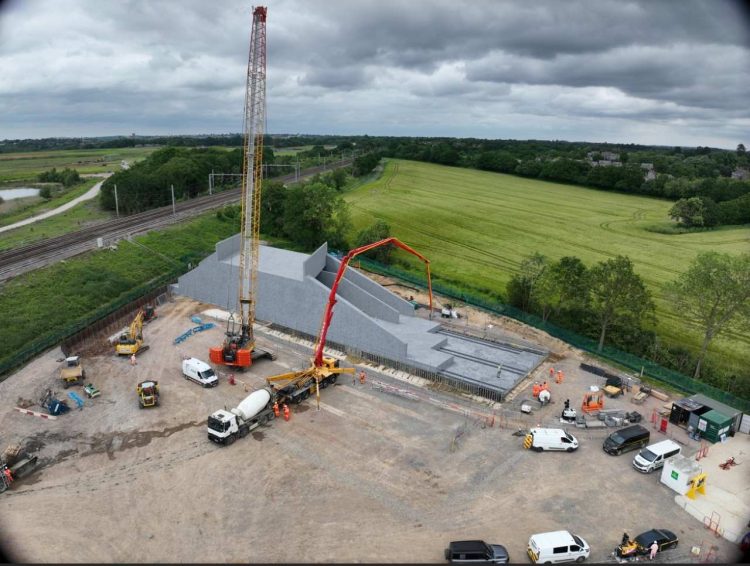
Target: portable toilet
[
  {"x": 712, "y": 425},
  {"x": 678, "y": 473}
]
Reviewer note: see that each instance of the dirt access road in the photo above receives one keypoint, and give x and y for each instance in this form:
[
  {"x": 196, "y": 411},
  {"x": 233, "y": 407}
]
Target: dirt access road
[{"x": 371, "y": 477}]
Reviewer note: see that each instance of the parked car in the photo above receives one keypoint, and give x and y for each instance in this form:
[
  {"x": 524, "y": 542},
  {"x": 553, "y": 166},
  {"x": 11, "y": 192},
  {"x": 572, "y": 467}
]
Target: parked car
[
  {"x": 653, "y": 457},
  {"x": 476, "y": 552},
  {"x": 641, "y": 544},
  {"x": 629, "y": 438}
]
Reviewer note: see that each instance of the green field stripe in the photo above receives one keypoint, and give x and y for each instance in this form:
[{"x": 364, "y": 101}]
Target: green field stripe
[{"x": 479, "y": 225}]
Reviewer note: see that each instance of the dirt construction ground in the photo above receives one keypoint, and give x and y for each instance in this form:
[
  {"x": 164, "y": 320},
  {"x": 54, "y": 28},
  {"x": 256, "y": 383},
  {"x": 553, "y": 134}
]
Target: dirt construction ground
[{"x": 371, "y": 477}]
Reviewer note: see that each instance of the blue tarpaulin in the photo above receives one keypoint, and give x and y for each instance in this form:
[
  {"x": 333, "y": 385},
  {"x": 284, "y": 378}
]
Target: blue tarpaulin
[{"x": 77, "y": 398}]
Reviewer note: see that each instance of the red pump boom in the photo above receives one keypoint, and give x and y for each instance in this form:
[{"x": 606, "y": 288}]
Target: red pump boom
[{"x": 328, "y": 314}]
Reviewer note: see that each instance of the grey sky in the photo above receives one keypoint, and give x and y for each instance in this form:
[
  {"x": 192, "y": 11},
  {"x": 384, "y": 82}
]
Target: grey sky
[{"x": 667, "y": 72}]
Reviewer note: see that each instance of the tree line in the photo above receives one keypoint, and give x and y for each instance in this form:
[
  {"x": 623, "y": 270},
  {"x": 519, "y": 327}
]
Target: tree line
[{"x": 609, "y": 302}]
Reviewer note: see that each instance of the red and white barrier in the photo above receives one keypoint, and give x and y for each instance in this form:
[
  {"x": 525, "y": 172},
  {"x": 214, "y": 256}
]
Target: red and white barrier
[{"x": 35, "y": 414}]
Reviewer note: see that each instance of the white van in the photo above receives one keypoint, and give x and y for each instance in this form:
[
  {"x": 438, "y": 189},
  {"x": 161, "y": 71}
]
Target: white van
[
  {"x": 200, "y": 372},
  {"x": 557, "y": 546},
  {"x": 652, "y": 457},
  {"x": 550, "y": 439}
]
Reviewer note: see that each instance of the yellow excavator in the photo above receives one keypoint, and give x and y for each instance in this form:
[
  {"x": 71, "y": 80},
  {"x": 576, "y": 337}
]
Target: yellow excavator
[{"x": 132, "y": 342}]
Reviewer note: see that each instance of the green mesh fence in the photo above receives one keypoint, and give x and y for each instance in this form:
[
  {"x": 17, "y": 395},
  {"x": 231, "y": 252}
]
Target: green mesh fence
[
  {"x": 55, "y": 337},
  {"x": 650, "y": 369}
]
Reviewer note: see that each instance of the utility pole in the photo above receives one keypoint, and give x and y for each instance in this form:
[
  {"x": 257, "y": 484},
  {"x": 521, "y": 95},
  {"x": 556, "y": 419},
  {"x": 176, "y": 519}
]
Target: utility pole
[
  {"x": 174, "y": 212},
  {"x": 210, "y": 182},
  {"x": 117, "y": 208}
]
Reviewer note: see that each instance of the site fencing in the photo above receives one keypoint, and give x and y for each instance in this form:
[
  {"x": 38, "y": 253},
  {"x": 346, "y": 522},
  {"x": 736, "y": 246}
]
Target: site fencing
[
  {"x": 108, "y": 316},
  {"x": 635, "y": 363}
]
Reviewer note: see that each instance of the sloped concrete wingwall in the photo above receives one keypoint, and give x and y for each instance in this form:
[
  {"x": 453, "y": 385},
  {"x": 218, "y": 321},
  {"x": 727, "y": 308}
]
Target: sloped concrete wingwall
[{"x": 365, "y": 283}]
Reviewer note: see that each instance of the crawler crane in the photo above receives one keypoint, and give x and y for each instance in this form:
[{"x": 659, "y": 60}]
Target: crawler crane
[{"x": 239, "y": 349}]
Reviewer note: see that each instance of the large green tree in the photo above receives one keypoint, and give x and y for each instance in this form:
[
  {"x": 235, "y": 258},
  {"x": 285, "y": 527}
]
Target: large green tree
[
  {"x": 715, "y": 293},
  {"x": 688, "y": 211},
  {"x": 618, "y": 295},
  {"x": 564, "y": 285},
  {"x": 272, "y": 197},
  {"x": 315, "y": 213},
  {"x": 379, "y": 230},
  {"x": 522, "y": 286}
]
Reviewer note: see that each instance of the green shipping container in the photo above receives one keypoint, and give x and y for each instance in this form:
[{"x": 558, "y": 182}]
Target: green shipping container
[{"x": 713, "y": 424}]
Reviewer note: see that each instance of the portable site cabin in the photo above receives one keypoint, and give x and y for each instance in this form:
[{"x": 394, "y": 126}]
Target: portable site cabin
[
  {"x": 714, "y": 426},
  {"x": 688, "y": 412}
]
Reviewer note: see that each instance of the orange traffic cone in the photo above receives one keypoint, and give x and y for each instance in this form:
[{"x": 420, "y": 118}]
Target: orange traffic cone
[
  {"x": 286, "y": 412},
  {"x": 551, "y": 372}
]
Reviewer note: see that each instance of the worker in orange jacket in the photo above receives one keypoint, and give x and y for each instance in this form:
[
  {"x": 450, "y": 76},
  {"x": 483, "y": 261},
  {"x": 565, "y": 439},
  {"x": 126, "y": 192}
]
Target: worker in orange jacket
[
  {"x": 276, "y": 409},
  {"x": 362, "y": 377},
  {"x": 560, "y": 376},
  {"x": 286, "y": 412}
]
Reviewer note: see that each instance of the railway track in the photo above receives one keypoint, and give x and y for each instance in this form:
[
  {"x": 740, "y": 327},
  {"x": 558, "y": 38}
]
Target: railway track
[{"x": 19, "y": 260}]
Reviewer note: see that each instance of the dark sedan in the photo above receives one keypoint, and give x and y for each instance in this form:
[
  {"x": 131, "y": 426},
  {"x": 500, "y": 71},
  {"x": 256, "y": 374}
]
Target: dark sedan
[
  {"x": 641, "y": 544},
  {"x": 476, "y": 552}
]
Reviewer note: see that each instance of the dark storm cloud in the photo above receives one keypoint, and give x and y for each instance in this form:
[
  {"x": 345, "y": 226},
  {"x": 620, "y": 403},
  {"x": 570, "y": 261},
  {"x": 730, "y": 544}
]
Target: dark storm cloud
[{"x": 657, "y": 72}]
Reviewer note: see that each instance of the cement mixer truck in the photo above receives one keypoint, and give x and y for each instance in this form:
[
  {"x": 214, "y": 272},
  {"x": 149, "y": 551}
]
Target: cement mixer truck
[{"x": 224, "y": 427}]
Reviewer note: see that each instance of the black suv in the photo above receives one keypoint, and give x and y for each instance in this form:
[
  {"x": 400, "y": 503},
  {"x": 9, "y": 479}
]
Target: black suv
[{"x": 476, "y": 552}]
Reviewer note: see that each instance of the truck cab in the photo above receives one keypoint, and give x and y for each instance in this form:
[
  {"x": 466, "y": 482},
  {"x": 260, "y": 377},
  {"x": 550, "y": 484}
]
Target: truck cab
[
  {"x": 221, "y": 425},
  {"x": 225, "y": 426}
]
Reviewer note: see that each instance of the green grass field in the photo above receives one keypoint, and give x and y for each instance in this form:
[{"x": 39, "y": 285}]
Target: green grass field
[
  {"x": 15, "y": 167},
  {"x": 476, "y": 227}
]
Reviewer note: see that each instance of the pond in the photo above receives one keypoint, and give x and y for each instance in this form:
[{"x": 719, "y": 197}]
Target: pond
[{"x": 18, "y": 192}]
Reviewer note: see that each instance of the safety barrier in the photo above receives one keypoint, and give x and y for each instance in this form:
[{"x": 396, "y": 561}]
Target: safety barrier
[{"x": 188, "y": 333}]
